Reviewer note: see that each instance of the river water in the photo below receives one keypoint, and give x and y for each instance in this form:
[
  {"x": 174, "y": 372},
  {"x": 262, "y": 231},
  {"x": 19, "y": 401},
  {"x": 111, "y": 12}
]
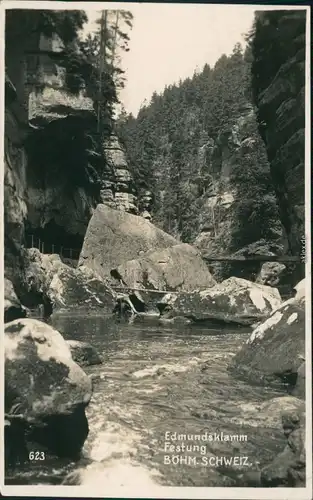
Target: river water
[{"x": 152, "y": 385}]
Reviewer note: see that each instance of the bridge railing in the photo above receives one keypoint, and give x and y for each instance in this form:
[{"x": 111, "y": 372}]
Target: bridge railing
[{"x": 33, "y": 241}]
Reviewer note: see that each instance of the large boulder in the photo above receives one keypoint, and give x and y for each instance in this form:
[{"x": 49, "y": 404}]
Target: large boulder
[
  {"x": 84, "y": 354},
  {"x": 50, "y": 390},
  {"x": 13, "y": 308},
  {"x": 235, "y": 300},
  {"x": 48, "y": 278},
  {"x": 276, "y": 348},
  {"x": 113, "y": 237},
  {"x": 176, "y": 268},
  {"x": 72, "y": 287}
]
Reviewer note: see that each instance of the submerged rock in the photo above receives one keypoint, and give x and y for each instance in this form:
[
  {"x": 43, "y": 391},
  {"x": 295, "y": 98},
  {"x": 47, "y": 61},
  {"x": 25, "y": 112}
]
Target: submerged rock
[
  {"x": 235, "y": 300},
  {"x": 179, "y": 267},
  {"x": 84, "y": 354},
  {"x": 13, "y": 308},
  {"x": 50, "y": 390},
  {"x": 113, "y": 237},
  {"x": 275, "y": 349}
]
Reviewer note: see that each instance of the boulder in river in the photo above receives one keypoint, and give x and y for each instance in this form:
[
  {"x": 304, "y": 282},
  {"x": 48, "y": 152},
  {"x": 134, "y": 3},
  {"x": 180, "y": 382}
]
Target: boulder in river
[
  {"x": 84, "y": 354},
  {"x": 235, "y": 300},
  {"x": 49, "y": 389},
  {"x": 113, "y": 237},
  {"x": 276, "y": 348},
  {"x": 13, "y": 309},
  {"x": 179, "y": 267},
  {"x": 48, "y": 278}
]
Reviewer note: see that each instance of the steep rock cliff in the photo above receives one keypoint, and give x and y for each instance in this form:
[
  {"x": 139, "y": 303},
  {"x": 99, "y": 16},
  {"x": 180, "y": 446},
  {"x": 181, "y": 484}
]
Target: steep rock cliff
[
  {"x": 55, "y": 165},
  {"x": 225, "y": 183},
  {"x": 278, "y": 69},
  {"x": 120, "y": 191}
]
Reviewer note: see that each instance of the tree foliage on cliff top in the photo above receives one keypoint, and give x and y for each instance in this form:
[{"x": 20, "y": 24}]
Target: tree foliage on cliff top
[
  {"x": 177, "y": 149},
  {"x": 64, "y": 23}
]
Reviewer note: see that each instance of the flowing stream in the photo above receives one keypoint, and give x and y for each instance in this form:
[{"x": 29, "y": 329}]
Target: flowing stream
[{"x": 152, "y": 385}]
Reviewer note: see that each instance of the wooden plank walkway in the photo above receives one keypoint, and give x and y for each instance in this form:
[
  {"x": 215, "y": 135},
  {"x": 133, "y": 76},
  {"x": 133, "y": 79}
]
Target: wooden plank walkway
[
  {"x": 150, "y": 290},
  {"x": 254, "y": 258}
]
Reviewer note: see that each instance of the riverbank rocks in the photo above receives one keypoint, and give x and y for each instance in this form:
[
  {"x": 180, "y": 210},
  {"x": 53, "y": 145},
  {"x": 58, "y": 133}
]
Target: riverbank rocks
[
  {"x": 179, "y": 267},
  {"x": 72, "y": 287},
  {"x": 13, "y": 308},
  {"x": 299, "y": 388},
  {"x": 113, "y": 237},
  {"x": 48, "y": 278},
  {"x": 50, "y": 390},
  {"x": 235, "y": 300},
  {"x": 84, "y": 354},
  {"x": 268, "y": 413},
  {"x": 275, "y": 349},
  {"x": 288, "y": 467}
]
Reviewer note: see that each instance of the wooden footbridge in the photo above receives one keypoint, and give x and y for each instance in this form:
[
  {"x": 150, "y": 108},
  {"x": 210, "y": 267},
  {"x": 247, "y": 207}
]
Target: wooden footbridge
[{"x": 285, "y": 259}]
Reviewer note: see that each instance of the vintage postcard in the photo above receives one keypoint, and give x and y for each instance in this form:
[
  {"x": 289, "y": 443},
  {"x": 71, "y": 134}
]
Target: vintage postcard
[{"x": 155, "y": 250}]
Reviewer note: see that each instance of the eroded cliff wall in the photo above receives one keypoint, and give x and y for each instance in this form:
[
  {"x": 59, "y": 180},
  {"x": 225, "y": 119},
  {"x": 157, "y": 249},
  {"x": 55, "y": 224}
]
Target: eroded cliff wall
[
  {"x": 279, "y": 90},
  {"x": 56, "y": 166}
]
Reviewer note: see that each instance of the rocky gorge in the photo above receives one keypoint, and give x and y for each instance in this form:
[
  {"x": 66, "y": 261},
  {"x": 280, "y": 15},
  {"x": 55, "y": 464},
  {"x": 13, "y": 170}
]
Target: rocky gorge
[{"x": 69, "y": 188}]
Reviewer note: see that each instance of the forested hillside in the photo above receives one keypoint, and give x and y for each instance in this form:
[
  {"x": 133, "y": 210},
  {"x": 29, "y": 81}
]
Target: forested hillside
[{"x": 197, "y": 148}]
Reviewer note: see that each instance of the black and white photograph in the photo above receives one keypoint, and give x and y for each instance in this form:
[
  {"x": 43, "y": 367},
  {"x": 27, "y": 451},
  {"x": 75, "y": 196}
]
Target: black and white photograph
[{"x": 156, "y": 250}]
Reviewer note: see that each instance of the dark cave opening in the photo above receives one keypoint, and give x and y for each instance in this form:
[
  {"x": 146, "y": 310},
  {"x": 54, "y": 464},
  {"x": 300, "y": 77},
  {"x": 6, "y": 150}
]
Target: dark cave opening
[
  {"x": 62, "y": 149},
  {"x": 53, "y": 238}
]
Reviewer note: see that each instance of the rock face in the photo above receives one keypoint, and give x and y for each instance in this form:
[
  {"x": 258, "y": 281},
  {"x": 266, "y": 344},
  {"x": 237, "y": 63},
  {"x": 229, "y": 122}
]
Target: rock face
[
  {"x": 271, "y": 273},
  {"x": 15, "y": 198},
  {"x": 113, "y": 237},
  {"x": 235, "y": 300},
  {"x": 55, "y": 164},
  {"x": 218, "y": 161},
  {"x": 175, "y": 268},
  {"x": 121, "y": 194},
  {"x": 63, "y": 286},
  {"x": 50, "y": 390},
  {"x": 84, "y": 354},
  {"x": 276, "y": 348},
  {"x": 288, "y": 467},
  {"x": 299, "y": 389},
  {"x": 280, "y": 99},
  {"x": 13, "y": 308}
]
